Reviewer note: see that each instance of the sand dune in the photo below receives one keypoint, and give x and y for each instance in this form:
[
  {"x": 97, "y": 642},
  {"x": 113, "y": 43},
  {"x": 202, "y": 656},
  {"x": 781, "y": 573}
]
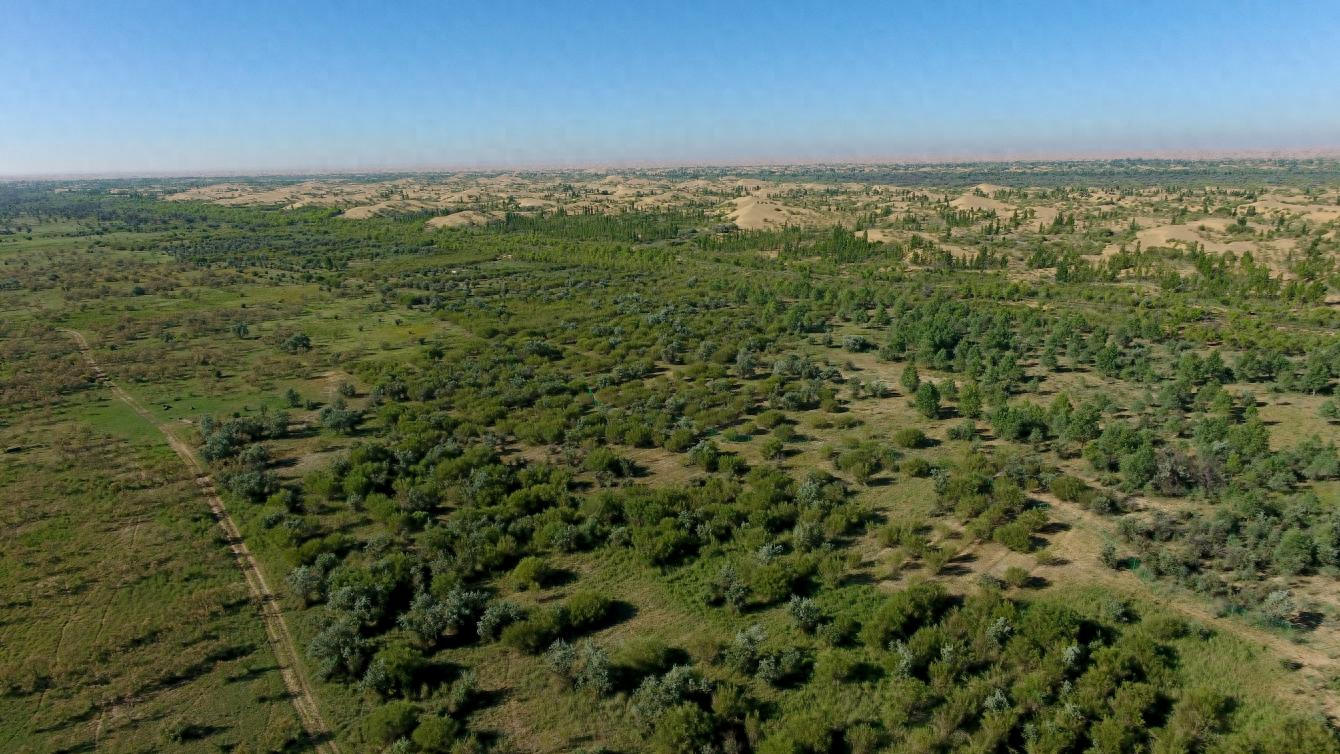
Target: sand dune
[
  {"x": 1272, "y": 253},
  {"x": 211, "y": 193},
  {"x": 1318, "y": 213},
  {"x": 877, "y": 235},
  {"x": 972, "y": 201},
  {"x": 1044, "y": 215},
  {"x": 364, "y": 211},
  {"x": 462, "y": 219},
  {"x": 465, "y": 199},
  {"x": 754, "y": 213}
]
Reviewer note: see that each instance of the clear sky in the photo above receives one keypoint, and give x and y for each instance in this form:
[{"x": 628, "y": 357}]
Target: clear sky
[{"x": 209, "y": 86}]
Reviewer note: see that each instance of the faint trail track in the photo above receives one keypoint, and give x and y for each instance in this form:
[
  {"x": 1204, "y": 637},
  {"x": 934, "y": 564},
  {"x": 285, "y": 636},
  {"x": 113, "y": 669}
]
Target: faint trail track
[
  {"x": 1080, "y": 545},
  {"x": 276, "y": 628}
]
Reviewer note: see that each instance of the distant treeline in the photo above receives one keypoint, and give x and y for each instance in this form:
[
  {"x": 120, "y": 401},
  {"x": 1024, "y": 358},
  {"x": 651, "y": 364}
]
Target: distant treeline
[{"x": 1046, "y": 174}]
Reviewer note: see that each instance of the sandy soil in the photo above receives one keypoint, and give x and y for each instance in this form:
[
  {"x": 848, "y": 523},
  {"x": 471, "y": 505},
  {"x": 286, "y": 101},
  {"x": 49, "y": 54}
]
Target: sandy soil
[
  {"x": 986, "y": 203},
  {"x": 754, "y": 213},
  {"x": 461, "y": 219},
  {"x": 753, "y": 204}
]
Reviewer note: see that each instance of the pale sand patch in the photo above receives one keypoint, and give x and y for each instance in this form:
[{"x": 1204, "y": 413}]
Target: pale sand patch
[
  {"x": 462, "y": 219},
  {"x": 1044, "y": 215},
  {"x": 212, "y": 193},
  {"x": 877, "y": 235},
  {"x": 1318, "y": 213},
  {"x": 1272, "y": 253},
  {"x": 753, "y": 213},
  {"x": 1182, "y": 235},
  {"x": 365, "y": 211},
  {"x": 314, "y": 192},
  {"x": 361, "y": 213},
  {"x": 985, "y": 203},
  {"x": 664, "y": 199},
  {"x": 389, "y": 207},
  {"x": 464, "y": 197}
]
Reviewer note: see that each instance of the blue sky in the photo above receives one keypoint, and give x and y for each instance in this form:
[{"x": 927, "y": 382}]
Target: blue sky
[{"x": 207, "y": 86}]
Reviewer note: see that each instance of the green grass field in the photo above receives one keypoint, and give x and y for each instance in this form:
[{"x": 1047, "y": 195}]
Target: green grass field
[{"x": 126, "y": 624}]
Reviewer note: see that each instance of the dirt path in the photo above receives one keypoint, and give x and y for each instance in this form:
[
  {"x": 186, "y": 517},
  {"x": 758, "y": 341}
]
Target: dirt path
[
  {"x": 276, "y": 628},
  {"x": 1078, "y": 546}
]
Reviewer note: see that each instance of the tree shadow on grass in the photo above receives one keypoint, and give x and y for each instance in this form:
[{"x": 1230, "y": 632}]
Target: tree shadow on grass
[
  {"x": 252, "y": 672},
  {"x": 619, "y": 611},
  {"x": 958, "y": 565},
  {"x": 1054, "y": 527},
  {"x": 1308, "y": 620},
  {"x": 857, "y": 578}
]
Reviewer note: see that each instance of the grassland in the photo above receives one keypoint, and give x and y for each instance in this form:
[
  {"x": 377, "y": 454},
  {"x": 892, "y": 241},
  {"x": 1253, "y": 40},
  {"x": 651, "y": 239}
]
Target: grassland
[{"x": 127, "y": 626}]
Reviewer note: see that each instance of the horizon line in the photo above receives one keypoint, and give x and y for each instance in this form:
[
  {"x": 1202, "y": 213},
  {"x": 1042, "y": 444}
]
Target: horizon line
[{"x": 614, "y": 166}]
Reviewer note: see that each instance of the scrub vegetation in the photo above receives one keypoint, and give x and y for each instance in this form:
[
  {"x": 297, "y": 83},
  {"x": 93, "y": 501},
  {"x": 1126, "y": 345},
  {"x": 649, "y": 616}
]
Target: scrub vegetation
[{"x": 985, "y": 458}]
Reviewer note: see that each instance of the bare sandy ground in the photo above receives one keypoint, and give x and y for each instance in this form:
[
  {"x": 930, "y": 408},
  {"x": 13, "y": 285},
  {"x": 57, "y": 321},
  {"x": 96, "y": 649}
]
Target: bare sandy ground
[
  {"x": 973, "y": 201},
  {"x": 1204, "y": 214},
  {"x": 877, "y": 235},
  {"x": 754, "y": 213},
  {"x": 461, "y": 219}
]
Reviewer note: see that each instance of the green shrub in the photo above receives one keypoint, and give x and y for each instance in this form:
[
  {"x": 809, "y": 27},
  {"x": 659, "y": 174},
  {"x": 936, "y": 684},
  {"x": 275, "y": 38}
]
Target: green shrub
[
  {"x": 964, "y": 430},
  {"x": 682, "y": 729},
  {"x": 394, "y": 669},
  {"x": 663, "y": 543},
  {"x": 771, "y": 582},
  {"x": 915, "y": 467},
  {"x": 1067, "y": 488},
  {"x": 680, "y": 440},
  {"x": 937, "y": 558},
  {"x": 1016, "y": 576},
  {"x": 835, "y": 666},
  {"x": 731, "y": 464},
  {"x": 436, "y": 733},
  {"x": 910, "y": 379},
  {"x": 531, "y": 572},
  {"x": 1165, "y": 627},
  {"x": 1295, "y": 552},
  {"x": 1015, "y": 536},
  {"x": 902, "y": 613},
  {"x": 909, "y": 437},
  {"x": 1109, "y": 557},
  {"x": 1196, "y": 718},
  {"x": 605, "y": 462},
  {"x": 838, "y": 632},
  {"x": 536, "y": 633},
  {"x": 927, "y": 400},
  {"x": 586, "y": 610},
  {"x": 390, "y": 722},
  {"x": 644, "y": 656}
]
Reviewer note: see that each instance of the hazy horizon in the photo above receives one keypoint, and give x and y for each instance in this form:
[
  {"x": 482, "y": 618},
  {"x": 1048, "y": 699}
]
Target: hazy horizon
[
  {"x": 152, "y": 88},
  {"x": 926, "y": 160}
]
